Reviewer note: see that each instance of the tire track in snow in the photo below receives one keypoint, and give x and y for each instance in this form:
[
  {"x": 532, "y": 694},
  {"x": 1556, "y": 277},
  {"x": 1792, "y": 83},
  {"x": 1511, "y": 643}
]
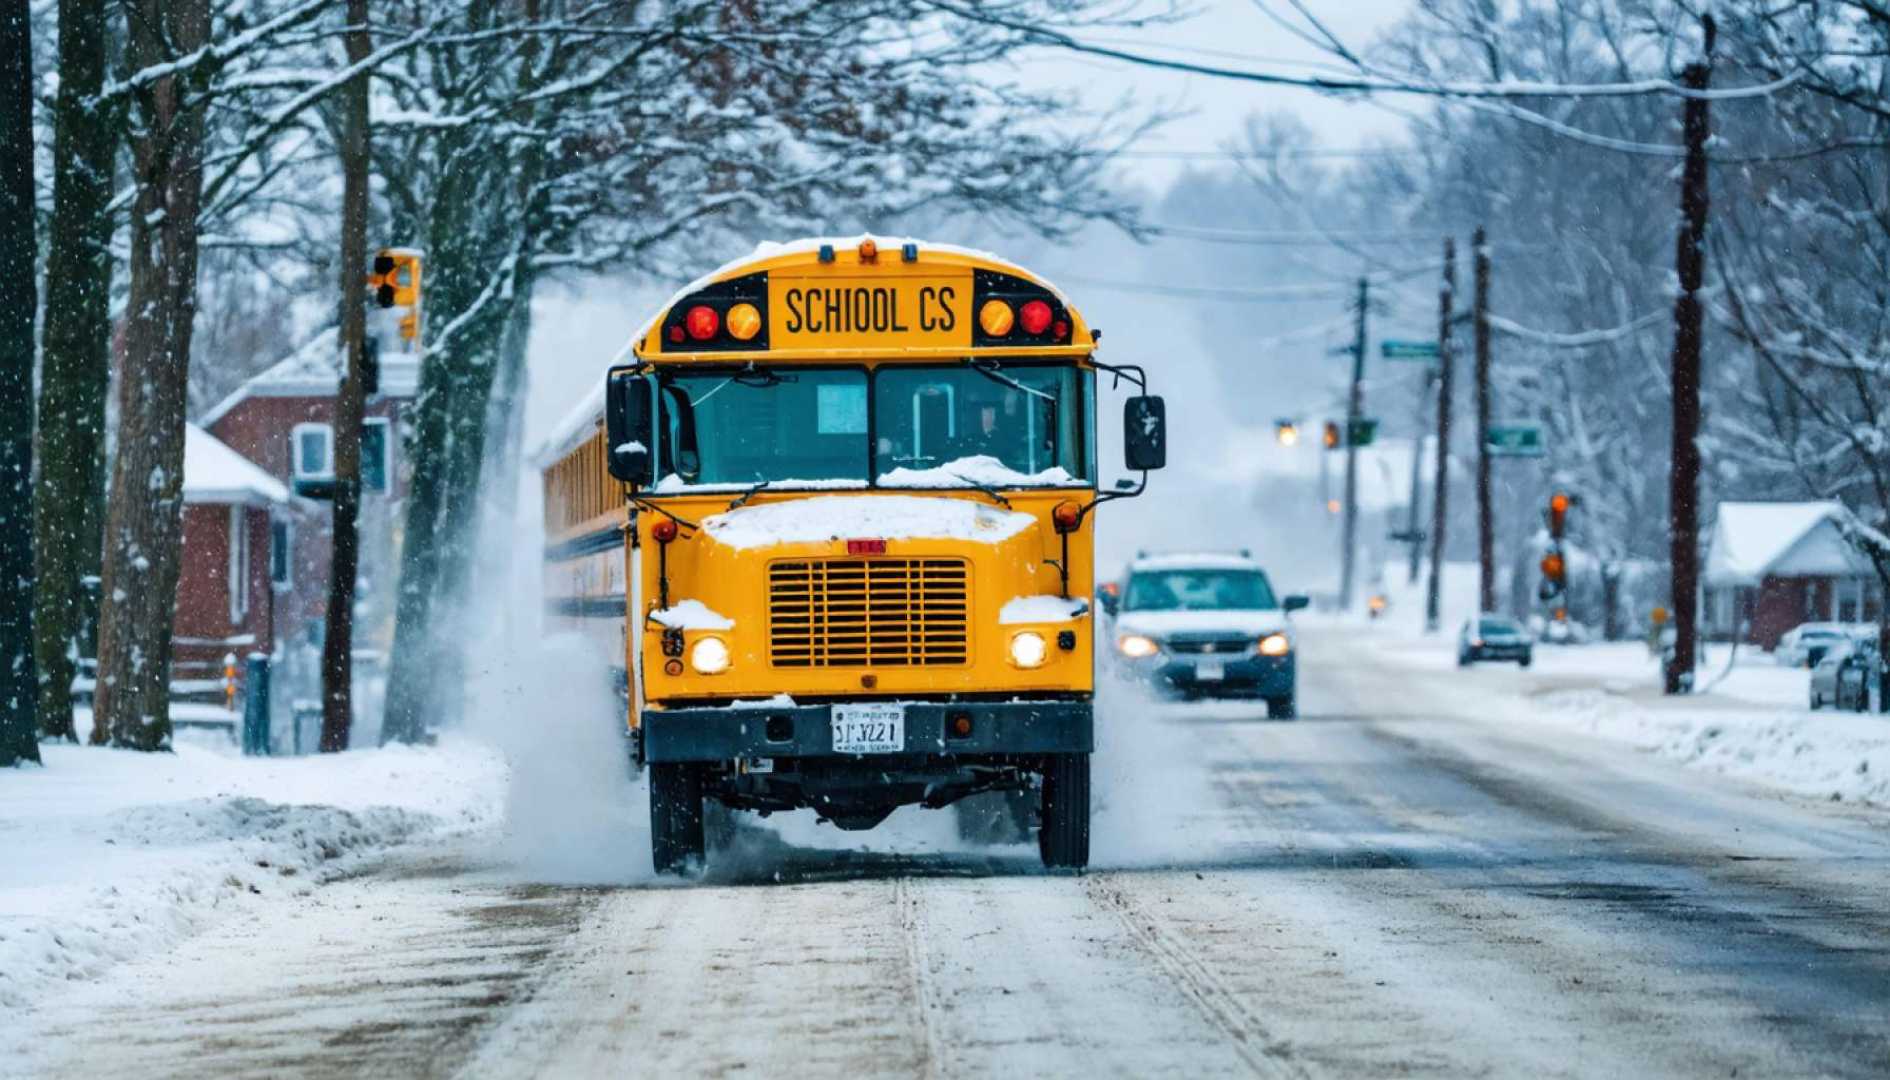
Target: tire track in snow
[
  {"x": 1263, "y": 1053},
  {"x": 911, "y": 905}
]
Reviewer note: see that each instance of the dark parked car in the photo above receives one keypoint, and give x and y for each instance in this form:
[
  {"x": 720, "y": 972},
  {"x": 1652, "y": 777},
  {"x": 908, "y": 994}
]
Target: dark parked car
[{"x": 1494, "y": 637}]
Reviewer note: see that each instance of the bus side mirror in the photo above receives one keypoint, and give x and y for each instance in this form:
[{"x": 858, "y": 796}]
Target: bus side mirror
[
  {"x": 629, "y": 427},
  {"x": 1144, "y": 433},
  {"x": 1295, "y": 603}
]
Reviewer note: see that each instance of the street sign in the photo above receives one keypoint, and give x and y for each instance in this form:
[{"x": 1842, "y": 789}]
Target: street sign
[
  {"x": 1408, "y": 350},
  {"x": 1409, "y": 536},
  {"x": 1515, "y": 440},
  {"x": 1362, "y": 432}
]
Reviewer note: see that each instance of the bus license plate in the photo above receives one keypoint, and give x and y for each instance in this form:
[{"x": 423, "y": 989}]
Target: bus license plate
[
  {"x": 869, "y": 729},
  {"x": 1210, "y": 670}
]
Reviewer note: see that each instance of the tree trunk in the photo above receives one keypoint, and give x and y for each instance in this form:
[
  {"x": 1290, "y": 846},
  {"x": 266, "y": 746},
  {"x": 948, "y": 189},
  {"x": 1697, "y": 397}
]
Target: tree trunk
[
  {"x": 449, "y": 442},
  {"x": 19, "y": 685},
  {"x": 75, "y": 365},
  {"x": 350, "y": 403},
  {"x": 1683, "y": 493},
  {"x": 144, "y": 516}
]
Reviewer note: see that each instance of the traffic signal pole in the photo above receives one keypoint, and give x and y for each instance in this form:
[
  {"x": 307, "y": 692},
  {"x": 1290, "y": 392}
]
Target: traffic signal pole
[
  {"x": 1486, "y": 533},
  {"x": 350, "y": 399},
  {"x": 1354, "y": 413},
  {"x": 1440, "y": 488}
]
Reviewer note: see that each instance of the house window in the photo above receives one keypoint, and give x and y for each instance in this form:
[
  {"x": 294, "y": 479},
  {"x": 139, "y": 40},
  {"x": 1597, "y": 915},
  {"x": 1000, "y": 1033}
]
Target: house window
[
  {"x": 376, "y": 454},
  {"x": 239, "y": 564},
  {"x": 313, "y": 452},
  {"x": 281, "y": 553}
]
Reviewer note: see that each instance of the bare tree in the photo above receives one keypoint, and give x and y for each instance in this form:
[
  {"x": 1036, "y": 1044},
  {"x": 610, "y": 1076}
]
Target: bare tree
[
  {"x": 144, "y": 520},
  {"x": 669, "y": 135},
  {"x": 69, "y": 496},
  {"x": 18, "y": 683}
]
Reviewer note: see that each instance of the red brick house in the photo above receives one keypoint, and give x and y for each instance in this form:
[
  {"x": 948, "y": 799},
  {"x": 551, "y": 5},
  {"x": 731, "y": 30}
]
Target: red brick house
[
  {"x": 281, "y": 422},
  {"x": 1772, "y": 566},
  {"x": 225, "y": 597}
]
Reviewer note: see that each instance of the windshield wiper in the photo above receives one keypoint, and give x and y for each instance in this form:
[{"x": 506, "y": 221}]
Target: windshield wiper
[
  {"x": 984, "y": 487},
  {"x": 742, "y": 499},
  {"x": 989, "y": 369}
]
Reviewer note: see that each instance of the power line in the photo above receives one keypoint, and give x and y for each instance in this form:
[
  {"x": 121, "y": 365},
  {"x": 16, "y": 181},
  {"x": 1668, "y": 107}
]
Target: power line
[{"x": 1277, "y": 294}]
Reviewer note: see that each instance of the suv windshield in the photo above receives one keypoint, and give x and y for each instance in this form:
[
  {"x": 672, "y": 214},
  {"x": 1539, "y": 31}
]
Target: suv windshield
[
  {"x": 1498, "y": 626},
  {"x": 1198, "y": 590},
  {"x": 934, "y": 426}
]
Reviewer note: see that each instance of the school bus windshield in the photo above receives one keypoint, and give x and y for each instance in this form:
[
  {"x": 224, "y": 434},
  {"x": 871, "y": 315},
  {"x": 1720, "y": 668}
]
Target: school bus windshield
[{"x": 995, "y": 424}]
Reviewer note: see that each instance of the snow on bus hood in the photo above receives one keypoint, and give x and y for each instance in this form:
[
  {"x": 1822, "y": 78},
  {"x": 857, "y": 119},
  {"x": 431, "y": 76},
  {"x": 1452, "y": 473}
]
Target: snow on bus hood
[
  {"x": 879, "y": 517},
  {"x": 1163, "y": 624}
]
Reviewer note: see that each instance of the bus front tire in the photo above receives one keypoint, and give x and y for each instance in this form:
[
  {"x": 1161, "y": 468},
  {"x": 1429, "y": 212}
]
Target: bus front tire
[
  {"x": 1063, "y": 839},
  {"x": 676, "y": 835}
]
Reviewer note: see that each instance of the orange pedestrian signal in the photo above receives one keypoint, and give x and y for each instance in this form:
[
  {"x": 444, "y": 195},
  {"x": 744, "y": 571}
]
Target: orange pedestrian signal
[{"x": 1332, "y": 435}]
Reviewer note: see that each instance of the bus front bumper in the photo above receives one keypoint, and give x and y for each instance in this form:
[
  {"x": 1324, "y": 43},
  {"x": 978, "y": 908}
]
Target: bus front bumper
[{"x": 724, "y": 733}]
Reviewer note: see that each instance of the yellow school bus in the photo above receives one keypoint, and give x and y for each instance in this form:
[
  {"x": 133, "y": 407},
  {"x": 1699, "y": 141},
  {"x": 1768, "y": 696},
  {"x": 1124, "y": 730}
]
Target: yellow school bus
[{"x": 832, "y": 509}]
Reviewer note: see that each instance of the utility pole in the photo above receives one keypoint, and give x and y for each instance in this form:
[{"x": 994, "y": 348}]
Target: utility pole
[
  {"x": 1486, "y": 532},
  {"x": 1354, "y": 412},
  {"x": 1683, "y": 493},
  {"x": 1440, "y": 488},
  {"x": 1413, "y": 537},
  {"x": 350, "y": 397}
]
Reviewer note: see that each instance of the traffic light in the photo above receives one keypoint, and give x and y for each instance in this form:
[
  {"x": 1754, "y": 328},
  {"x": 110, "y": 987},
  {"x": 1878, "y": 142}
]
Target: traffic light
[
  {"x": 1287, "y": 432},
  {"x": 1558, "y": 513},
  {"x": 395, "y": 281},
  {"x": 1554, "y": 575},
  {"x": 1332, "y": 440}
]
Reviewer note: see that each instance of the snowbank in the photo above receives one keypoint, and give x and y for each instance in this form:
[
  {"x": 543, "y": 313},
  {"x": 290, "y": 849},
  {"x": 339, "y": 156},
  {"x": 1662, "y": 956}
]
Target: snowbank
[
  {"x": 1843, "y": 757},
  {"x": 113, "y": 853},
  {"x": 883, "y": 517}
]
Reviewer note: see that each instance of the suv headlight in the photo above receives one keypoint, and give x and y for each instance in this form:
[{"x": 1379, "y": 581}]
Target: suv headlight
[
  {"x": 1137, "y": 646},
  {"x": 1275, "y": 645},
  {"x": 710, "y": 656}
]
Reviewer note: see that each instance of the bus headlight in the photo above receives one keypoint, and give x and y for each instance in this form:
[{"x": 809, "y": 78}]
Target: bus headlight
[
  {"x": 710, "y": 656},
  {"x": 1028, "y": 649},
  {"x": 1275, "y": 645},
  {"x": 1136, "y": 646}
]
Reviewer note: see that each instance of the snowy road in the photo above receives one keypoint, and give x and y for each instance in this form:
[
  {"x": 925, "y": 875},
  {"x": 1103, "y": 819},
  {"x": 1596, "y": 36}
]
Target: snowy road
[{"x": 1403, "y": 882}]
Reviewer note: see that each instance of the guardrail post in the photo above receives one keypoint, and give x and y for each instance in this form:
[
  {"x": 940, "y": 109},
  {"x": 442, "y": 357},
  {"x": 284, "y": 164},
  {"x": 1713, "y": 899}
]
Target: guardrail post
[{"x": 256, "y": 706}]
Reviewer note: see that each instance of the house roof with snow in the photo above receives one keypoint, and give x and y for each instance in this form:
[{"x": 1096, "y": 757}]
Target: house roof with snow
[
  {"x": 214, "y": 473},
  {"x": 1752, "y": 541},
  {"x": 313, "y": 371}
]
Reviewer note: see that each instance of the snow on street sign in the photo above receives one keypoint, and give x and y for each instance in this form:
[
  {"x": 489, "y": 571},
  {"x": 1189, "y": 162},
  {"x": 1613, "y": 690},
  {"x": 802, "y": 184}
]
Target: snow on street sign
[
  {"x": 1408, "y": 350},
  {"x": 1515, "y": 440}
]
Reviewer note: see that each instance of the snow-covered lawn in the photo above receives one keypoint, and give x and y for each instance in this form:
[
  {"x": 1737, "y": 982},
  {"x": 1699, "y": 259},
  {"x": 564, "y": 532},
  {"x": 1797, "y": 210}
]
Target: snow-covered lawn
[
  {"x": 1752, "y": 723},
  {"x": 107, "y": 854}
]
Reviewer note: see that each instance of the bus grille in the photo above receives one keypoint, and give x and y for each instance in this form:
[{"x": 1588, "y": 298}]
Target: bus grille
[{"x": 868, "y": 612}]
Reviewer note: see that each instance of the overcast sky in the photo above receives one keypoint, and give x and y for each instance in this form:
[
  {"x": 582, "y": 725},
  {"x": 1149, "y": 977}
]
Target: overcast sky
[{"x": 1229, "y": 33}]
